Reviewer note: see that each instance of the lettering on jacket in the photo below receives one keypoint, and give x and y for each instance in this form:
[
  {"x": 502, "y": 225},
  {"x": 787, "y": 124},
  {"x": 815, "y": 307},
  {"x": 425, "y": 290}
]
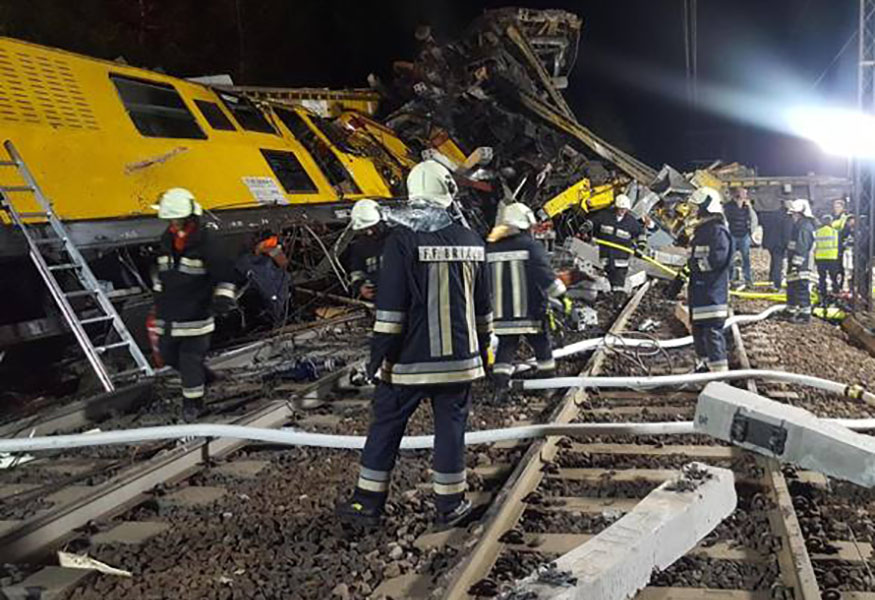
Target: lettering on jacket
[{"x": 451, "y": 253}]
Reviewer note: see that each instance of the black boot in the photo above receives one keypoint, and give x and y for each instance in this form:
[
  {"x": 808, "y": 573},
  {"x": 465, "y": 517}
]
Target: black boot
[
  {"x": 192, "y": 409},
  {"x": 455, "y": 517},
  {"x": 500, "y": 389},
  {"x": 355, "y": 513}
]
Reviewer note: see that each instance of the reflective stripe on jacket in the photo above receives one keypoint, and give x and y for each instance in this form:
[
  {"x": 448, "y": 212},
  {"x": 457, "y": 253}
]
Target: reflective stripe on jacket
[
  {"x": 522, "y": 283},
  {"x": 434, "y": 307},
  {"x": 186, "y": 283},
  {"x": 709, "y": 265}
]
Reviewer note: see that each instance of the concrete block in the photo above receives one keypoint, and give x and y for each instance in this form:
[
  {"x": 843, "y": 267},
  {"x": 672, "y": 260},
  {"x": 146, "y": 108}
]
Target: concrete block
[
  {"x": 665, "y": 525},
  {"x": 130, "y": 532},
  {"x": 47, "y": 584},
  {"x": 787, "y": 433}
]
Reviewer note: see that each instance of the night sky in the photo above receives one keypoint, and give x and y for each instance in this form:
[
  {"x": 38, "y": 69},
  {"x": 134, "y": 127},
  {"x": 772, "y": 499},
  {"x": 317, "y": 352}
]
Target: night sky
[{"x": 628, "y": 83}]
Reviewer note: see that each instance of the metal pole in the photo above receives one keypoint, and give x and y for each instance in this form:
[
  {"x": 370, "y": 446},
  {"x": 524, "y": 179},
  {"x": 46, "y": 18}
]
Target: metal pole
[{"x": 864, "y": 169}]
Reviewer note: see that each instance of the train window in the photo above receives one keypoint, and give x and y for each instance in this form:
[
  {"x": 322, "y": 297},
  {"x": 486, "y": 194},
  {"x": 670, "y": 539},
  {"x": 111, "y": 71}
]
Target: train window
[
  {"x": 328, "y": 162},
  {"x": 288, "y": 170},
  {"x": 247, "y": 114},
  {"x": 157, "y": 109},
  {"x": 214, "y": 115}
]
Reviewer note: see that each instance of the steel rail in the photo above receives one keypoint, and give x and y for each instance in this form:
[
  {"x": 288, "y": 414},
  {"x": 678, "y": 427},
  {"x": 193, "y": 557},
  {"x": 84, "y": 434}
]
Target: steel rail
[{"x": 507, "y": 507}]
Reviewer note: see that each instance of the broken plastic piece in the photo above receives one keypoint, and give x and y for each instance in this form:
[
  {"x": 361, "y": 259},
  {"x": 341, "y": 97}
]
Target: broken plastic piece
[{"x": 80, "y": 561}]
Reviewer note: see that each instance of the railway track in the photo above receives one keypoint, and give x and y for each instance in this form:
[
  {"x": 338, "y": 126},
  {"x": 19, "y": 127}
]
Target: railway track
[
  {"x": 777, "y": 544},
  {"x": 224, "y": 519}
]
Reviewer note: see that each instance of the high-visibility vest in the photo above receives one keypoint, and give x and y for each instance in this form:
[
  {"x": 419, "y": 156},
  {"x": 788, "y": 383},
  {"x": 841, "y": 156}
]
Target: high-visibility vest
[{"x": 826, "y": 243}]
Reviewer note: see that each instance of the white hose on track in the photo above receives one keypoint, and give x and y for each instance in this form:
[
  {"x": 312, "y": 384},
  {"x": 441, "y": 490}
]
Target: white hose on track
[
  {"x": 294, "y": 437},
  {"x": 641, "y": 383},
  {"x": 595, "y": 343}
]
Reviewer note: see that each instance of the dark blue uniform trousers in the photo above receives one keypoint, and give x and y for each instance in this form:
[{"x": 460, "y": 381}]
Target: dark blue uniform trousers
[
  {"x": 710, "y": 344},
  {"x": 392, "y": 407},
  {"x": 799, "y": 293}
]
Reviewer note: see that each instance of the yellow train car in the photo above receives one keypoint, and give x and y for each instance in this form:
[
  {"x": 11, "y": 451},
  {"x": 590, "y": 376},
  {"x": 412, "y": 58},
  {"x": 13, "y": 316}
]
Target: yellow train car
[{"x": 104, "y": 139}]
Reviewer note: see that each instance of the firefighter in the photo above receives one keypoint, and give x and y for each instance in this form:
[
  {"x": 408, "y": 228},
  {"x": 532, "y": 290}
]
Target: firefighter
[
  {"x": 431, "y": 335},
  {"x": 193, "y": 281},
  {"x": 799, "y": 262},
  {"x": 269, "y": 245},
  {"x": 708, "y": 270},
  {"x": 522, "y": 283},
  {"x": 367, "y": 250},
  {"x": 827, "y": 257},
  {"x": 617, "y": 226}
]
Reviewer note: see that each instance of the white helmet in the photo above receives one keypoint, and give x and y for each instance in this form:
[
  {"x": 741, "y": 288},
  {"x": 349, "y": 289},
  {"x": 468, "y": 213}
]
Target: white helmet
[
  {"x": 801, "y": 205},
  {"x": 709, "y": 199},
  {"x": 177, "y": 203},
  {"x": 432, "y": 183},
  {"x": 623, "y": 201},
  {"x": 517, "y": 215},
  {"x": 365, "y": 213}
]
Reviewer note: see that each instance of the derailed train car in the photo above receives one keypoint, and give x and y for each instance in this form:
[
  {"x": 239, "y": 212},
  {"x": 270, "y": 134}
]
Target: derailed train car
[{"x": 103, "y": 140}]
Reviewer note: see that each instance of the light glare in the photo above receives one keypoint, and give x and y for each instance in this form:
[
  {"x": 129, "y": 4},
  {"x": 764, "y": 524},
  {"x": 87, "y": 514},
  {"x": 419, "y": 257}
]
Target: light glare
[{"x": 837, "y": 131}]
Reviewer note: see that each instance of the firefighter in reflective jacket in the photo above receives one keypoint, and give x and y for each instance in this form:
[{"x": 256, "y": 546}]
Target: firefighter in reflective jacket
[
  {"x": 799, "y": 262},
  {"x": 367, "y": 250},
  {"x": 431, "y": 335},
  {"x": 827, "y": 258},
  {"x": 522, "y": 283},
  {"x": 618, "y": 226},
  {"x": 708, "y": 270},
  {"x": 192, "y": 282}
]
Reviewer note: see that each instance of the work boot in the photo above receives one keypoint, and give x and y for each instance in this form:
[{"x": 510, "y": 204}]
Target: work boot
[
  {"x": 500, "y": 396},
  {"x": 801, "y": 318},
  {"x": 355, "y": 513},
  {"x": 192, "y": 409},
  {"x": 500, "y": 389},
  {"x": 701, "y": 366},
  {"x": 455, "y": 517}
]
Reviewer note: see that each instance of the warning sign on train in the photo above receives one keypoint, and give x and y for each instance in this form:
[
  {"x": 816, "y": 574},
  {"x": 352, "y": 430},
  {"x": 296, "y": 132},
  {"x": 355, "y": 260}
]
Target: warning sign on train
[{"x": 266, "y": 190}]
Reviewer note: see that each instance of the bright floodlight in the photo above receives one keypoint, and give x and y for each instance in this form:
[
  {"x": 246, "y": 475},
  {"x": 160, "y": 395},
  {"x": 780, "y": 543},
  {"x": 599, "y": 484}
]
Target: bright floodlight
[{"x": 837, "y": 131}]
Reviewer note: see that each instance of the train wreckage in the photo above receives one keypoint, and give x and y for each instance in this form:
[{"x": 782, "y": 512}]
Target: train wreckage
[{"x": 91, "y": 143}]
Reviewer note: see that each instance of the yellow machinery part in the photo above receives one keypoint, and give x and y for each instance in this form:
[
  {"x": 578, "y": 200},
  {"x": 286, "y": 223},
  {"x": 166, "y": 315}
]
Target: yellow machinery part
[
  {"x": 582, "y": 195},
  {"x": 322, "y": 101},
  {"x": 362, "y": 168},
  {"x": 443, "y": 143},
  {"x": 379, "y": 133}
]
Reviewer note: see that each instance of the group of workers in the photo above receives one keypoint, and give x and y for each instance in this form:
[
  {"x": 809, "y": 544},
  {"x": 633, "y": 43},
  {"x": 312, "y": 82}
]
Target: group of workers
[{"x": 442, "y": 296}]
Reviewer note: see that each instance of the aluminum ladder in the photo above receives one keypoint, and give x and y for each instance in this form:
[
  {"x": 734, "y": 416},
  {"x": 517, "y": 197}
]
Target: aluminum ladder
[{"x": 54, "y": 253}]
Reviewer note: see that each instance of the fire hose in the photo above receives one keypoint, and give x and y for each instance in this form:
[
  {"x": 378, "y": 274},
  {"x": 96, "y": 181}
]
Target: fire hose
[
  {"x": 594, "y": 343},
  {"x": 294, "y": 437},
  {"x": 772, "y": 297}
]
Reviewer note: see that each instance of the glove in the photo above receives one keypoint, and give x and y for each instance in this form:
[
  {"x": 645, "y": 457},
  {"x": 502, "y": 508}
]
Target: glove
[
  {"x": 222, "y": 305},
  {"x": 567, "y": 305},
  {"x": 674, "y": 288},
  {"x": 636, "y": 252},
  {"x": 373, "y": 367},
  {"x": 586, "y": 228},
  {"x": 684, "y": 273}
]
